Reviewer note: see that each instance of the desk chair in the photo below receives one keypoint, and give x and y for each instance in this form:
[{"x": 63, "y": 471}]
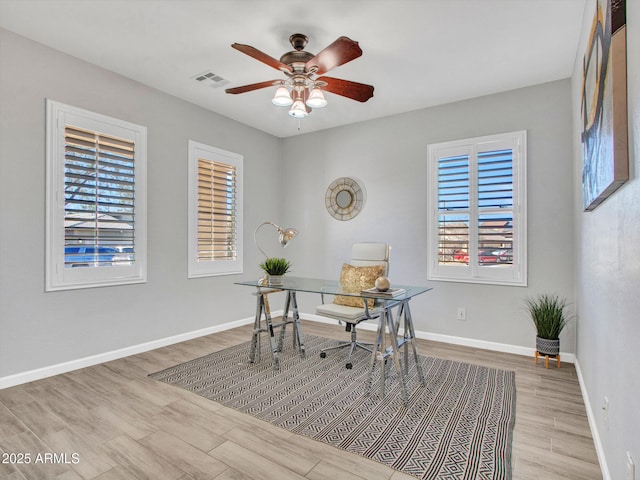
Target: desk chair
[{"x": 368, "y": 262}]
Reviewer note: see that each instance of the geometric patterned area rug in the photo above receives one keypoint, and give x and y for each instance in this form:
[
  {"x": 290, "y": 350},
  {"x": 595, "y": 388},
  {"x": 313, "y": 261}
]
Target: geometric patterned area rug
[{"x": 458, "y": 426}]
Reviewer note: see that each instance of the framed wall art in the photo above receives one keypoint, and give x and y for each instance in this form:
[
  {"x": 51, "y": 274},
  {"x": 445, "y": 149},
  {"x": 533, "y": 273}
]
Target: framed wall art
[{"x": 604, "y": 105}]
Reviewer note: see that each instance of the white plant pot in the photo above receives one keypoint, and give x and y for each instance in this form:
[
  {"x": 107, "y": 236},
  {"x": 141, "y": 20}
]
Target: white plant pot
[{"x": 275, "y": 280}]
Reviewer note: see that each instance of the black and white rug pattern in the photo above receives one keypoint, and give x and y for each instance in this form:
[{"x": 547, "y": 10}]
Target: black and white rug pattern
[{"x": 458, "y": 426}]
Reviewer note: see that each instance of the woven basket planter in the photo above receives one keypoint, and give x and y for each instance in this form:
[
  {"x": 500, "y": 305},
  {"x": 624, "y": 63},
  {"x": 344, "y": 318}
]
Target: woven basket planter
[{"x": 547, "y": 346}]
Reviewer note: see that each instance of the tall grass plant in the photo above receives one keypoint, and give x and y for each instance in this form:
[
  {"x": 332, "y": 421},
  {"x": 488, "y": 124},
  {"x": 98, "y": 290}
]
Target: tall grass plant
[{"x": 548, "y": 315}]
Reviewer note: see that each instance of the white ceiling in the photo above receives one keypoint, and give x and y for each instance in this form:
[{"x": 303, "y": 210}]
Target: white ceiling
[{"x": 417, "y": 53}]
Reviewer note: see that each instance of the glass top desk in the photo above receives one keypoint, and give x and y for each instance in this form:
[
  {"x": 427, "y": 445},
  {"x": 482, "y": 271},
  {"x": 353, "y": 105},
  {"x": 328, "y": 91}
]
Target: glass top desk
[{"x": 388, "y": 344}]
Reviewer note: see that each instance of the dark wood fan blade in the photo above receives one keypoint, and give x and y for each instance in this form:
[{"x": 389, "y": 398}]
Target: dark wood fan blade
[
  {"x": 253, "y": 86},
  {"x": 341, "y": 51},
  {"x": 346, "y": 88},
  {"x": 262, "y": 57}
]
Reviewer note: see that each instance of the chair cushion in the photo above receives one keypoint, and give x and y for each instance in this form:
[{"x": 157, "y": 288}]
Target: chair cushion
[
  {"x": 341, "y": 312},
  {"x": 355, "y": 279}
]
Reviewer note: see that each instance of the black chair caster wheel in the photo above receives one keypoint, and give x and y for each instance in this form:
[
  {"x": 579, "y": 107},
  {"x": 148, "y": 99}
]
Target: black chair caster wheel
[
  {"x": 323, "y": 354},
  {"x": 349, "y": 366}
]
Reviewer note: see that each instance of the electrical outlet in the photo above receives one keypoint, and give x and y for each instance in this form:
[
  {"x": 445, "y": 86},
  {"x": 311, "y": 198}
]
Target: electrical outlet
[
  {"x": 605, "y": 412},
  {"x": 462, "y": 313},
  {"x": 631, "y": 468}
]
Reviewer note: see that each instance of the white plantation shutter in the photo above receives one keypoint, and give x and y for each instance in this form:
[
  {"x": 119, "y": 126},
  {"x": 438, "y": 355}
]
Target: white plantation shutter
[
  {"x": 217, "y": 237},
  {"x": 477, "y": 203},
  {"x": 215, "y": 211},
  {"x": 96, "y": 199},
  {"x": 495, "y": 203},
  {"x": 453, "y": 206},
  {"x": 99, "y": 198}
]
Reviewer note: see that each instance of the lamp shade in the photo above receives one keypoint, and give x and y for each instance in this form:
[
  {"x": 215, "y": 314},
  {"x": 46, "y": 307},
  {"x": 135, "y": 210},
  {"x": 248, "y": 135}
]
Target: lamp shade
[
  {"x": 316, "y": 99},
  {"x": 286, "y": 235},
  {"x": 298, "y": 109},
  {"x": 282, "y": 98}
]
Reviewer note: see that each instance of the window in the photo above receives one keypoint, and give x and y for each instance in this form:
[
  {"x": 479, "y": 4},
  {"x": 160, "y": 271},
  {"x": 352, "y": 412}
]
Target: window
[
  {"x": 96, "y": 200},
  {"x": 215, "y": 211},
  {"x": 477, "y": 229}
]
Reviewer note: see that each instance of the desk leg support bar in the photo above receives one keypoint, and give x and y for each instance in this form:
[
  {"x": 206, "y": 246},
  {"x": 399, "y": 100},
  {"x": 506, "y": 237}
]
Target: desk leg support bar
[
  {"x": 378, "y": 355},
  {"x": 255, "y": 338},
  {"x": 410, "y": 335},
  {"x": 263, "y": 308},
  {"x": 298, "y": 338},
  {"x": 291, "y": 303},
  {"x": 285, "y": 321},
  {"x": 393, "y": 337}
]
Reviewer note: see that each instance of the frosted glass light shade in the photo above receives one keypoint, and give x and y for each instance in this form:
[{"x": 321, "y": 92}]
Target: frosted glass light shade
[
  {"x": 316, "y": 99},
  {"x": 298, "y": 110},
  {"x": 282, "y": 98},
  {"x": 286, "y": 235}
]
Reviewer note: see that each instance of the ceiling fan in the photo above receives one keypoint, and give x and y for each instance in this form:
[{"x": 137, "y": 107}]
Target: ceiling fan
[{"x": 303, "y": 87}]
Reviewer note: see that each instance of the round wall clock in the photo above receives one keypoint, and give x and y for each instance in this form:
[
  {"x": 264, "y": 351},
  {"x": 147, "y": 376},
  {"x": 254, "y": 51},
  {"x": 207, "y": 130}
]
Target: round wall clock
[{"x": 344, "y": 198}]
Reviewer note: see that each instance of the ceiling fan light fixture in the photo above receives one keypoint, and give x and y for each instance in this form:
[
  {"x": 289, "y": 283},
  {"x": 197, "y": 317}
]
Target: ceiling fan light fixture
[
  {"x": 316, "y": 99},
  {"x": 282, "y": 98},
  {"x": 298, "y": 109},
  {"x": 302, "y": 90}
]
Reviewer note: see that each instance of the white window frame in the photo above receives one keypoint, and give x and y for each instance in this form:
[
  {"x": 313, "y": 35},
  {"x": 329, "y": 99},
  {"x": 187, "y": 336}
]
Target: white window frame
[
  {"x": 197, "y": 269},
  {"x": 58, "y": 115},
  {"x": 515, "y": 274}
]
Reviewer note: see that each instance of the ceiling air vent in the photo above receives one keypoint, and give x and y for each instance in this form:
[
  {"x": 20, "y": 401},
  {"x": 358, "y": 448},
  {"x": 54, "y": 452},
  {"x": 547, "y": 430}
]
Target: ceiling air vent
[{"x": 211, "y": 79}]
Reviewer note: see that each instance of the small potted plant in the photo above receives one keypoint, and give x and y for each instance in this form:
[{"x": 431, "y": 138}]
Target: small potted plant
[
  {"x": 548, "y": 315},
  {"x": 275, "y": 268}
]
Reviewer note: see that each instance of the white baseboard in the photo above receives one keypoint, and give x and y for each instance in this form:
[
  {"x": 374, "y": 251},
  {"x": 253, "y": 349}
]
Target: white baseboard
[
  {"x": 486, "y": 345},
  {"x": 593, "y": 425},
  {"x": 467, "y": 342},
  {"x": 39, "y": 373},
  {"x": 49, "y": 371}
]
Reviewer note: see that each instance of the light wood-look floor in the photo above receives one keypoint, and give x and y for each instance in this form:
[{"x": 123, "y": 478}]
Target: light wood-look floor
[{"x": 124, "y": 426}]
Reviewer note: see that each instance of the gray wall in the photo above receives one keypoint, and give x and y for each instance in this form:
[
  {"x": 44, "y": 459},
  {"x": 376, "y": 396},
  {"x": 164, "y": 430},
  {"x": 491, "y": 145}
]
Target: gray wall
[
  {"x": 608, "y": 277},
  {"x": 39, "y": 329},
  {"x": 389, "y": 156}
]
